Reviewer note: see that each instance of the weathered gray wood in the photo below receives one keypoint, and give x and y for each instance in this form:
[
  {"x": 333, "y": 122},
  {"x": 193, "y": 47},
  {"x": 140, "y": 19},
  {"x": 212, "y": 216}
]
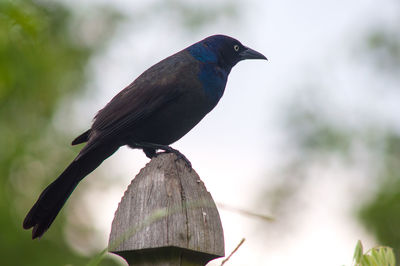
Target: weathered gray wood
[{"x": 167, "y": 217}]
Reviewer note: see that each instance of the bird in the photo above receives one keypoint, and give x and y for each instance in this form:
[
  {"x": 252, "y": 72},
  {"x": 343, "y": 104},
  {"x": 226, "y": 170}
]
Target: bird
[{"x": 158, "y": 108}]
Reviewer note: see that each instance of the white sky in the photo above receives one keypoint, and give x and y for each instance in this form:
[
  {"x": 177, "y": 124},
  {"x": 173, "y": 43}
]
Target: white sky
[{"x": 238, "y": 145}]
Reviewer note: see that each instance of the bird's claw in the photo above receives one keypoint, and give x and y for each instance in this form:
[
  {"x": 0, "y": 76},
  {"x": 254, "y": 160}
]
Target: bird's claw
[{"x": 150, "y": 148}]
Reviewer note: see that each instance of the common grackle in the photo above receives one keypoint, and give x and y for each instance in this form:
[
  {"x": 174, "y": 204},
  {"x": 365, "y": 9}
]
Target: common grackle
[{"x": 155, "y": 110}]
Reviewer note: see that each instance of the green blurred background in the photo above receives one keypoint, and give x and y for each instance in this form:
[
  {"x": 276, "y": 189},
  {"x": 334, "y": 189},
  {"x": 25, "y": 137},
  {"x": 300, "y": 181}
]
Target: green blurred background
[{"x": 42, "y": 62}]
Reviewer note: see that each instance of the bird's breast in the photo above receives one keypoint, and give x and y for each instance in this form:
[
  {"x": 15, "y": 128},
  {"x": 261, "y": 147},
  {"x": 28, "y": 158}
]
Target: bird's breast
[{"x": 213, "y": 80}]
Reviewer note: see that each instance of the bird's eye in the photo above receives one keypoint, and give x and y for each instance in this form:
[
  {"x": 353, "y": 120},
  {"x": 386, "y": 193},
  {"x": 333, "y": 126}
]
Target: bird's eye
[{"x": 236, "y": 47}]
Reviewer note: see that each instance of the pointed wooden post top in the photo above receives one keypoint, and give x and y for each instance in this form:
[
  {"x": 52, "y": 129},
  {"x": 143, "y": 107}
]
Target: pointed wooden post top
[{"x": 167, "y": 217}]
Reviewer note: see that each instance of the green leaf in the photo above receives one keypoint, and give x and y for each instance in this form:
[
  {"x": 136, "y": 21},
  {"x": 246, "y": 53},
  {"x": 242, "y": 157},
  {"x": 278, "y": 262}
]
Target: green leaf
[
  {"x": 358, "y": 252},
  {"x": 390, "y": 257},
  {"x": 378, "y": 256},
  {"x": 375, "y": 256}
]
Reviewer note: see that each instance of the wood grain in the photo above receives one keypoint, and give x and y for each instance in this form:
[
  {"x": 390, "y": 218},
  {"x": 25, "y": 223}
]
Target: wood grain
[{"x": 167, "y": 217}]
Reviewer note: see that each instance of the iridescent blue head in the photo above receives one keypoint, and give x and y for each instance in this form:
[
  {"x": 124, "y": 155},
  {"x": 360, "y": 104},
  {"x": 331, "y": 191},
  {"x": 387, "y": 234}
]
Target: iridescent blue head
[{"x": 222, "y": 50}]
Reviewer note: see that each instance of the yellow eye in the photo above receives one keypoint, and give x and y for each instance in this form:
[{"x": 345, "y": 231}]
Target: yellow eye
[{"x": 236, "y": 47}]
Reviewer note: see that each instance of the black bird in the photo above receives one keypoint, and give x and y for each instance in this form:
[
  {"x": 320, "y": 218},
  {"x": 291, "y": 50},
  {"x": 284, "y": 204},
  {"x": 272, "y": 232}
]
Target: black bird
[{"x": 155, "y": 110}]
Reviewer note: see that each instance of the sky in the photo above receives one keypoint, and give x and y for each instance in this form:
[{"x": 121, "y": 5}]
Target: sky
[{"x": 237, "y": 148}]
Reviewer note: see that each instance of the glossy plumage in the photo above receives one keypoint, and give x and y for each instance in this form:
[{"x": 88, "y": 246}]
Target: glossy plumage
[{"x": 157, "y": 109}]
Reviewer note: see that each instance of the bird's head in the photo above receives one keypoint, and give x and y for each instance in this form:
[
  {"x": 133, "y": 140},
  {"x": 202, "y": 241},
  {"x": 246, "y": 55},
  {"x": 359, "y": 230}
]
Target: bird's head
[{"x": 223, "y": 50}]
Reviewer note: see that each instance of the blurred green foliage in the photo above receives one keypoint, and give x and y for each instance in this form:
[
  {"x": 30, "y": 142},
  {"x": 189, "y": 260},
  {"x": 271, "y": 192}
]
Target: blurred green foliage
[
  {"x": 194, "y": 15},
  {"x": 320, "y": 137},
  {"x": 383, "y": 47},
  {"x": 188, "y": 15},
  {"x": 313, "y": 132},
  {"x": 42, "y": 61},
  {"x": 381, "y": 214}
]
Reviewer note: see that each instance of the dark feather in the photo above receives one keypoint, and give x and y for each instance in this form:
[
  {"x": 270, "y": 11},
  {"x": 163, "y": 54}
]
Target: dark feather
[{"x": 84, "y": 137}]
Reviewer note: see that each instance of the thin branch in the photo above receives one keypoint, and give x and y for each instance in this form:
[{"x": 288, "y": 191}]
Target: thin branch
[
  {"x": 245, "y": 212},
  {"x": 230, "y": 255}
]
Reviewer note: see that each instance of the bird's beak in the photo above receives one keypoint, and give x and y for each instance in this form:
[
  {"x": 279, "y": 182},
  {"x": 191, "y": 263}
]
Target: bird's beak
[{"x": 249, "y": 53}]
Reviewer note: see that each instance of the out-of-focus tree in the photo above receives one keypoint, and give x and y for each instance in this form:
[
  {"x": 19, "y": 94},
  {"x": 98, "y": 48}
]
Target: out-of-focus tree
[
  {"x": 319, "y": 136},
  {"x": 381, "y": 214},
  {"x": 42, "y": 61}
]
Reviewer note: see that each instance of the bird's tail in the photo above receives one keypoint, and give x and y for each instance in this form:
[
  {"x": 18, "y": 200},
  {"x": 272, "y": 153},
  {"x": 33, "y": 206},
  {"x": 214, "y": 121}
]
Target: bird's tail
[{"x": 52, "y": 199}]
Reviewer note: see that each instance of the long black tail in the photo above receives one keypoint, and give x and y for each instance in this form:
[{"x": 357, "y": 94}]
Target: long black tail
[{"x": 52, "y": 199}]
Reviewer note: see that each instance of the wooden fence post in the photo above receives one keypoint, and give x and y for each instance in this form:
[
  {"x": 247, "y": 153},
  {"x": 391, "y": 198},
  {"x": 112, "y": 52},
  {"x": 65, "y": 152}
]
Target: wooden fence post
[{"x": 167, "y": 217}]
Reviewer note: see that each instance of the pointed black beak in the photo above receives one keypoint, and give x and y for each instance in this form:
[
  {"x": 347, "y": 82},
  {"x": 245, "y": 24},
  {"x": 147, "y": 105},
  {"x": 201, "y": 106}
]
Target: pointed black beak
[{"x": 249, "y": 53}]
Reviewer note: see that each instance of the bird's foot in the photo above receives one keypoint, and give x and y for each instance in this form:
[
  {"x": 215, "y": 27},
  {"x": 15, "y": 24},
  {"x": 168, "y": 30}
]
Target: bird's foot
[
  {"x": 149, "y": 149},
  {"x": 150, "y": 153}
]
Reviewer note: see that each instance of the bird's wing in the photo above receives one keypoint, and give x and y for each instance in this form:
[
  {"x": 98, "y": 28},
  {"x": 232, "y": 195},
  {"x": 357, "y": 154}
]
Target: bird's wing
[{"x": 156, "y": 87}]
